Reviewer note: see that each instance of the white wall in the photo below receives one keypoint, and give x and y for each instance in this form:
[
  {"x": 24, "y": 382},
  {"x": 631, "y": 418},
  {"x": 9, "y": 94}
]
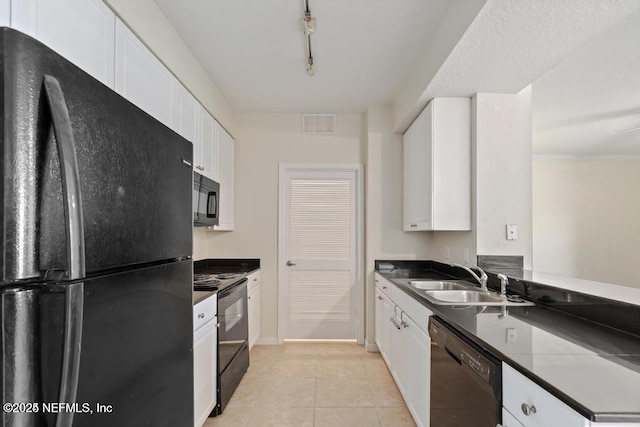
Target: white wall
[
  {"x": 385, "y": 238},
  {"x": 263, "y": 142},
  {"x": 585, "y": 218},
  {"x": 501, "y": 181},
  {"x": 148, "y": 22}
]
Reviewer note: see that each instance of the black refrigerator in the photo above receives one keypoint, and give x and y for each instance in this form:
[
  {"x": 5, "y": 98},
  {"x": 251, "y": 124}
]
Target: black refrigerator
[{"x": 97, "y": 242}]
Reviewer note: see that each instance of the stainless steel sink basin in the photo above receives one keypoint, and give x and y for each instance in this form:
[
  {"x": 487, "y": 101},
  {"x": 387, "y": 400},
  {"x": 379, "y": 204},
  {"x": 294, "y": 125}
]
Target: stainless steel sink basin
[
  {"x": 468, "y": 297},
  {"x": 433, "y": 285}
]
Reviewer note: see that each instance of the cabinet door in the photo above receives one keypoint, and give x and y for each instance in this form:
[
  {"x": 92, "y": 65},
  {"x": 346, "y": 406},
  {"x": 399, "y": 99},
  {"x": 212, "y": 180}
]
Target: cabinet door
[
  {"x": 208, "y": 146},
  {"x": 254, "y": 315},
  {"x": 381, "y": 325},
  {"x": 186, "y": 114},
  {"x": 142, "y": 78},
  {"x": 415, "y": 369},
  {"x": 205, "y": 374},
  {"x": 82, "y": 31},
  {"x": 225, "y": 178},
  {"x": 5, "y": 13},
  {"x": 417, "y": 173}
]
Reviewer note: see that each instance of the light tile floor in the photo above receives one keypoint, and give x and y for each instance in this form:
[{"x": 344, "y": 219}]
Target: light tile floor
[{"x": 315, "y": 384}]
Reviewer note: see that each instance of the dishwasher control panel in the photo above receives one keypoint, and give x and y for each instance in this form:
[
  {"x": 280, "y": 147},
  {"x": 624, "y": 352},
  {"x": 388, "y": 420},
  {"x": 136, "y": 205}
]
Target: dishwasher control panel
[{"x": 476, "y": 363}]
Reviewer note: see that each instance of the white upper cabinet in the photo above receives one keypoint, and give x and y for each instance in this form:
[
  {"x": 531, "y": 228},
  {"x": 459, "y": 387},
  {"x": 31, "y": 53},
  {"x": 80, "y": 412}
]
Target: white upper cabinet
[
  {"x": 186, "y": 114},
  {"x": 142, "y": 78},
  {"x": 5, "y": 13},
  {"x": 437, "y": 167},
  {"x": 206, "y": 149},
  {"x": 225, "y": 178},
  {"x": 82, "y": 31}
]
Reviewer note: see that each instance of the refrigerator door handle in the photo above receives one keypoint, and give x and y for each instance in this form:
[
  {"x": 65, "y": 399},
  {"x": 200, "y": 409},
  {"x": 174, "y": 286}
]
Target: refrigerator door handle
[
  {"x": 74, "y": 227},
  {"x": 74, "y": 304},
  {"x": 70, "y": 178}
]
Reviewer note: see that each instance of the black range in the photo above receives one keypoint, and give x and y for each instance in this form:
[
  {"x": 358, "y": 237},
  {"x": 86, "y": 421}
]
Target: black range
[{"x": 227, "y": 277}]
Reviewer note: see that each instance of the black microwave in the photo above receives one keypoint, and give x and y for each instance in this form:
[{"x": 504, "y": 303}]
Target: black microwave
[{"x": 206, "y": 198}]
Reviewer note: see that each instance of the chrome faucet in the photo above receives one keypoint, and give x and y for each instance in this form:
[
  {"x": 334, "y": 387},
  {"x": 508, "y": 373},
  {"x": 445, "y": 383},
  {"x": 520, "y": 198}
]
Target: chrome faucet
[
  {"x": 504, "y": 282},
  {"x": 482, "y": 279}
]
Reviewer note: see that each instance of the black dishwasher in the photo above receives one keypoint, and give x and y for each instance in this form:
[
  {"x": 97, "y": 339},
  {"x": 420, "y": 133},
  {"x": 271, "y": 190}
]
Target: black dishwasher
[{"x": 466, "y": 381}]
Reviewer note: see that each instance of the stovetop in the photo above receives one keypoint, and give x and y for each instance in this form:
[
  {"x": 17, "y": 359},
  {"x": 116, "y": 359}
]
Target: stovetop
[{"x": 217, "y": 281}]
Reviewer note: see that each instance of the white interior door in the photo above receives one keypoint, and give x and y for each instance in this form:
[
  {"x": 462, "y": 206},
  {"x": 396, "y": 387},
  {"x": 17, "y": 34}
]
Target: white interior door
[{"x": 318, "y": 248}]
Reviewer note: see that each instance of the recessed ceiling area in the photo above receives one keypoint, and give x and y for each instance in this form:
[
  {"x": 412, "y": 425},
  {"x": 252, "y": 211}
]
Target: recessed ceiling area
[{"x": 255, "y": 50}]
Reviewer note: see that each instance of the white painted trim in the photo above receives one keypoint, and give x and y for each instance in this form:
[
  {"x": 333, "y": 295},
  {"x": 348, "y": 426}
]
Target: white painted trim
[
  {"x": 371, "y": 347},
  {"x": 283, "y": 169},
  {"x": 584, "y": 157},
  {"x": 267, "y": 341}
]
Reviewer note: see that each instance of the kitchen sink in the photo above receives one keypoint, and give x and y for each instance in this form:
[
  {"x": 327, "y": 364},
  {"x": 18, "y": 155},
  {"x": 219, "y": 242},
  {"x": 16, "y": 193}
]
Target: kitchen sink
[
  {"x": 469, "y": 297},
  {"x": 433, "y": 285}
]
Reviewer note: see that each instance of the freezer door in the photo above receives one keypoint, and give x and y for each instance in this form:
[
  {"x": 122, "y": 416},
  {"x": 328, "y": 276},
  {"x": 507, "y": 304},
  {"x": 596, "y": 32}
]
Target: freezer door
[
  {"x": 136, "y": 364},
  {"x": 135, "y": 173}
]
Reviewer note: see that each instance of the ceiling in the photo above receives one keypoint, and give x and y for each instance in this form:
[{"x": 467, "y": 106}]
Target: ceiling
[
  {"x": 255, "y": 50},
  {"x": 583, "y": 106},
  {"x": 368, "y": 51}
]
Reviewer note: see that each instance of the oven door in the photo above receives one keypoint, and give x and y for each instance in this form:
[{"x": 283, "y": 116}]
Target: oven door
[
  {"x": 234, "y": 323},
  {"x": 206, "y": 198}
]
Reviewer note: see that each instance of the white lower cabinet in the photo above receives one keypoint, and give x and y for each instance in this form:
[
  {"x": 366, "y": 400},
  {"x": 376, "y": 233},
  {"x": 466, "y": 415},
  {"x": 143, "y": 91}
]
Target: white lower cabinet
[
  {"x": 405, "y": 346},
  {"x": 532, "y": 405},
  {"x": 509, "y": 420},
  {"x": 254, "y": 307},
  {"x": 205, "y": 348}
]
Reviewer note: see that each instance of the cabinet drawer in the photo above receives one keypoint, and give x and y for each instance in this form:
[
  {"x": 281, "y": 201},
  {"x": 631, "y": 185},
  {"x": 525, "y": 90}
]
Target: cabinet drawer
[
  {"x": 253, "y": 279},
  {"x": 384, "y": 285},
  {"x": 521, "y": 396},
  {"x": 204, "y": 311}
]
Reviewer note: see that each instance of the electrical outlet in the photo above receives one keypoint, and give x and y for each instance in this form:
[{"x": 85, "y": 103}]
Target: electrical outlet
[
  {"x": 512, "y": 232},
  {"x": 512, "y": 335},
  {"x": 447, "y": 252}
]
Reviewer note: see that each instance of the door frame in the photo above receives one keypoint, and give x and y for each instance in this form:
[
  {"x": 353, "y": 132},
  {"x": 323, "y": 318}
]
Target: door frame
[{"x": 284, "y": 169}]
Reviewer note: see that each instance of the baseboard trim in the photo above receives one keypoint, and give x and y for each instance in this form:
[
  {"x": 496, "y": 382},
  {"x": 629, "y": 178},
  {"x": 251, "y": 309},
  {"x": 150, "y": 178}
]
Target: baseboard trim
[
  {"x": 371, "y": 347},
  {"x": 267, "y": 341}
]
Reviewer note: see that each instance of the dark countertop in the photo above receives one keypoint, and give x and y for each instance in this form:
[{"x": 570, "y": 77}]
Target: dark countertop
[
  {"x": 222, "y": 265},
  {"x": 595, "y": 369},
  {"x": 202, "y": 295}
]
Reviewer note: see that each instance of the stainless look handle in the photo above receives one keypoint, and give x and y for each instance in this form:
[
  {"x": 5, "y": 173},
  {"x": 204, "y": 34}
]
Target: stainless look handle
[
  {"x": 379, "y": 297},
  {"x": 200, "y": 315},
  {"x": 70, "y": 177},
  {"x": 74, "y": 304},
  {"x": 528, "y": 409},
  {"x": 290, "y": 264},
  {"x": 74, "y": 224},
  {"x": 394, "y": 322},
  {"x": 384, "y": 287}
]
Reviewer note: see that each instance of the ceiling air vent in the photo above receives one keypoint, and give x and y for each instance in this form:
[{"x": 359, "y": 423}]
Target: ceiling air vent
[{"x": 319, "y": 123}]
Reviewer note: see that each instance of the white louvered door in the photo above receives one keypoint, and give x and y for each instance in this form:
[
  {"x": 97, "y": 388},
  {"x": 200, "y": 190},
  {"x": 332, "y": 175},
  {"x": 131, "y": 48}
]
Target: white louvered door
[{"x": 319, "y": 253}]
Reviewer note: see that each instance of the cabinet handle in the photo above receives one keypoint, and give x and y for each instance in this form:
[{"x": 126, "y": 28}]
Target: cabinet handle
[
  {"x": 255, "y": 279},
  {"x": 200, "y": 315},
  {"x": 379, "y": 297},
  {"x": 528, "y": 409},
  {"x": 394, "y": 322},
  {"x": 217, "y": 325},
  {"x": 384, "y": 287},
  {"x": 248, "y": 297}
]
